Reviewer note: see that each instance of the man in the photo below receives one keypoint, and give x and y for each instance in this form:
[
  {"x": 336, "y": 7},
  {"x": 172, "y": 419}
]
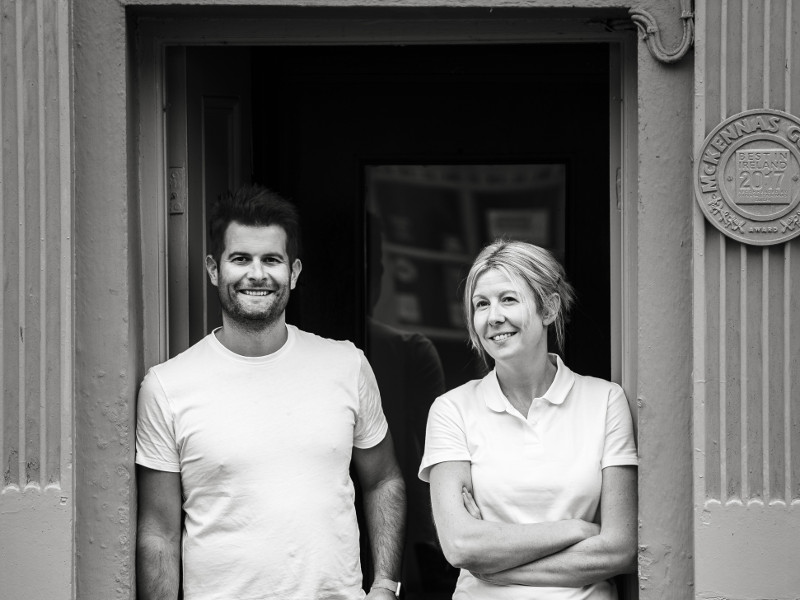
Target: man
[{"x": 251, "y": 431}]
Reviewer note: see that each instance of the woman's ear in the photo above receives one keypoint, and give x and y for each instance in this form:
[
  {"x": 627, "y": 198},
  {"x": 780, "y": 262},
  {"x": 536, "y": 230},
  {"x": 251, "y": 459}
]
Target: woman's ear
[{"x": 552, "y": 305}]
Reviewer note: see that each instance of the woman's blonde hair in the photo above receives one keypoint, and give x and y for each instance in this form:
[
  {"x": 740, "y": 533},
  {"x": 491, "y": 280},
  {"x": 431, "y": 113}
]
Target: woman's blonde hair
[{"x": 528, "y": 265}]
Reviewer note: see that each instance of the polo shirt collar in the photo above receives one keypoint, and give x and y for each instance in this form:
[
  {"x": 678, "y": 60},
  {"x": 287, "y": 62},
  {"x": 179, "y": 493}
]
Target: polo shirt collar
[
  {"x": 555, "y": 394},
  {"x": 562, "y": 383}
]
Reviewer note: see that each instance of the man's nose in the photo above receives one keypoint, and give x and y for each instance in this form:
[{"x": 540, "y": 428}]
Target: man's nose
[{"x": 257, "y": 271}]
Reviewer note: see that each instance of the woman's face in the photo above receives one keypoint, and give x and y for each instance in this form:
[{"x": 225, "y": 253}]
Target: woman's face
[{"x": 507, "y": 320}]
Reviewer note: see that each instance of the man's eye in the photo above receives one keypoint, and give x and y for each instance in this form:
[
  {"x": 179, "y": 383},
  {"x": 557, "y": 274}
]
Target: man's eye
[{"x": 239, "y": 260}]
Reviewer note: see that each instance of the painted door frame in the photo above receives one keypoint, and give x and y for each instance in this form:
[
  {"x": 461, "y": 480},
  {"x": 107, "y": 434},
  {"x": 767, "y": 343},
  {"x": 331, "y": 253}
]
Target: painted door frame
[{"x": 129, "y": 175}]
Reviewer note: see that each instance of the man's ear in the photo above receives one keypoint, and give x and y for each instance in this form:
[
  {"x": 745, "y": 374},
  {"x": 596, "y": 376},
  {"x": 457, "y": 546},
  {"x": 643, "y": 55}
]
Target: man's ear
[
  {"x": 297, "y": 266},
  {"x": 552, "y": 304},
  {"x": 213, "y": 272}
]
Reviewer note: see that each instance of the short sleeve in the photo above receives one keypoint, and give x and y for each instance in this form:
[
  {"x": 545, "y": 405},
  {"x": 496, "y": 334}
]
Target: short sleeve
[
  {"x": 371, "y": 425},
  {"x": 620, "y": 446},
  {"x": 156, "y": 447},
  {"x": 445, "y": 437}
]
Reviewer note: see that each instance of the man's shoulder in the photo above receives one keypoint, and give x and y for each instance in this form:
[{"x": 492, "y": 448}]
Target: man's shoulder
[
  {"x": 194, "y": 356},
  {"x": 307, "y": 340},
  {"x": 325, "y": 357}
]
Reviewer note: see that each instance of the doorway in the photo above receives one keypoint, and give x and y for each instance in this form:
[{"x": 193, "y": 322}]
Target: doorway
[{"x": 410, "y": 158}]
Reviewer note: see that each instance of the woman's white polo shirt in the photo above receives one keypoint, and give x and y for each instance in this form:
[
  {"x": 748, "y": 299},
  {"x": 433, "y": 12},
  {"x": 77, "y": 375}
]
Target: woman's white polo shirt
[{"x": 545, "y": 466}]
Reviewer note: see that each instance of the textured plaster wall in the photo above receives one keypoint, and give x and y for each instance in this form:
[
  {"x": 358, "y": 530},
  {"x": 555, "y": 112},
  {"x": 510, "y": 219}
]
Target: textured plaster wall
[
  {"x": 107, "y": 348},
  {"x": 36, "y": 492}
]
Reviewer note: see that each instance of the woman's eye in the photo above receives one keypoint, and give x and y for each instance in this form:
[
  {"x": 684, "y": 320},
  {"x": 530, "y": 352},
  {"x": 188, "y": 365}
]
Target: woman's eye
[{"x": 509, "y": 299}]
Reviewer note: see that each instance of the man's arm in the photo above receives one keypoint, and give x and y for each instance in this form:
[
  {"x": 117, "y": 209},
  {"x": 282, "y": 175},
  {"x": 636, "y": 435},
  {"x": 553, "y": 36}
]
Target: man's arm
[
  {"x": 384, "y": 507},
  {"x": 597, "y": 558},
  {"x": 158, "y": 540},
  {"x": 485, "y": 546}
]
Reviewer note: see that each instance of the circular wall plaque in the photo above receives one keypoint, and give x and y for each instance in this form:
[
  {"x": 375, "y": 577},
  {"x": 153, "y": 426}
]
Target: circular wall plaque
[{"x": 748, "y": 177}]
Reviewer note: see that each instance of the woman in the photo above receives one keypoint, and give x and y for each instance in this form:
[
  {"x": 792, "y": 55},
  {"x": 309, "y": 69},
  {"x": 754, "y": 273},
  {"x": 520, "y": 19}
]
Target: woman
[{"x": 532, "y": 468}]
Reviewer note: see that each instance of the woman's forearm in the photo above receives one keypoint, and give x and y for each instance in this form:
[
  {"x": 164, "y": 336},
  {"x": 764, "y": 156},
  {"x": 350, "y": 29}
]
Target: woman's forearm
[
  {"x": 490, "y": 547},
  {"x": 590, "y": 561}
]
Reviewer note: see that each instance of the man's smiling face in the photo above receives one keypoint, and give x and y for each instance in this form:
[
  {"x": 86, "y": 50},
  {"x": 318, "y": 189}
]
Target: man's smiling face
[{"x": 254, "y": 276}]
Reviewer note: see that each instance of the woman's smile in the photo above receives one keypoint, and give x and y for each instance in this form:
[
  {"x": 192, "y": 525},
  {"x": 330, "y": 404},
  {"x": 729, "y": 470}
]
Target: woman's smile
[{"x": 501, "y": 337}]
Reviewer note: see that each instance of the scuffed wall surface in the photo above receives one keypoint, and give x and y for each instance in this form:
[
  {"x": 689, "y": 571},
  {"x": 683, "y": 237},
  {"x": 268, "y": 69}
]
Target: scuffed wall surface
[
  {"x": 106, "y": 361},
  {"x": 747, "y": 411},
  {"x": 36, "y": 495}
]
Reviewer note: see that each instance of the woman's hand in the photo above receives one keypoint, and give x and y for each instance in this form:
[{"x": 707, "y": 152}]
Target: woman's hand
[
  {"x": 589, "y": 528},
  {"x": 470, "y": 504}
]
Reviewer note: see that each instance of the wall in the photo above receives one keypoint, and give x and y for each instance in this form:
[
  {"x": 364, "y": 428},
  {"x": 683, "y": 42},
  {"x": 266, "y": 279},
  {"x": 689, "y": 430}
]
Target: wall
[
  {"x": 107, "y": 346},
  {"x": 747, "y": 341},
  {"x": 36, "y": 492}
]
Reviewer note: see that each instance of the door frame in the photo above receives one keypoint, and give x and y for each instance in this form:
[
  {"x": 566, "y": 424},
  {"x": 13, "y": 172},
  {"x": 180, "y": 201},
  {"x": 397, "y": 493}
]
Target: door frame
[
  {"x": 113, "y": 123},
  {"x": 154, "y": 33}
]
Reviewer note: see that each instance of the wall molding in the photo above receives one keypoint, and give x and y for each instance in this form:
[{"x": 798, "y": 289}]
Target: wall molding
[{"x": 651, "y": 34}]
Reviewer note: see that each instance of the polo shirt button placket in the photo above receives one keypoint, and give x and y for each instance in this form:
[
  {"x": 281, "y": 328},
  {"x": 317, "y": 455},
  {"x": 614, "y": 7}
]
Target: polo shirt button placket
[
  {"x": 535, "y": 412},
  {"x": 531, "y": 426}
]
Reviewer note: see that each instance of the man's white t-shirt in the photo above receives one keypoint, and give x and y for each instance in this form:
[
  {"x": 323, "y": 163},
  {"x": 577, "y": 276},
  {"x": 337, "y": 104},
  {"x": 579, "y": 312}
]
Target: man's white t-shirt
[
  {"x": 263, "y": 446},
  {"x": 546, "y": 467}
]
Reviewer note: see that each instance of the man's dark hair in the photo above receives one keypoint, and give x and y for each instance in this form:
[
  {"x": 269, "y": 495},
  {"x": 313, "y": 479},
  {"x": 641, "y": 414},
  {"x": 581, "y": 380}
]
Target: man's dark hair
[{"x": 253, "y": 205}]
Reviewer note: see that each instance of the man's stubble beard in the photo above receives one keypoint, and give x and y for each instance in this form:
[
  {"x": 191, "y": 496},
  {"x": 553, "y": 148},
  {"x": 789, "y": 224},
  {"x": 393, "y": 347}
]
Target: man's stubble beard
[{"x": 255, "y": 322}]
